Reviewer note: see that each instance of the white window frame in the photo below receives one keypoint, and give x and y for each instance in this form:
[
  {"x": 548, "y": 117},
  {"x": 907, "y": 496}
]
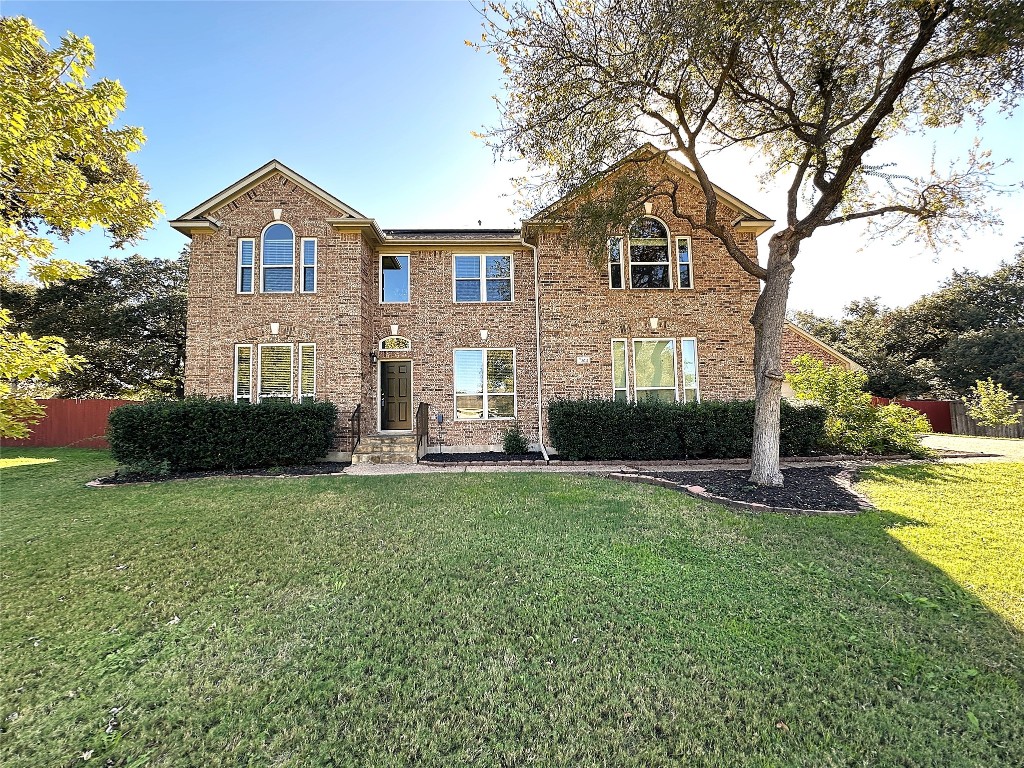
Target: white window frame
[
  {"x": 621, "y": 265},
  {"x": 675, "y": 368},
  {"x": 696, "y": 369},
  {"x": 264, "y": 268},
  {"x": 679, "y": 261},
  {"x": 483, "y": 278},
  {"x": 302, "y": 263},
  {"x": 291, "y": 373},
  {"x": 514, "y": 393},
  {"x": 668, "y": 249},
  {"x": 234, "y": 385},
  {"x": 625, "y": 363},
  {"x": 238, "y": 271},
  {"x": 301, "y": 393},
  {"x": 380, "y": 277}
]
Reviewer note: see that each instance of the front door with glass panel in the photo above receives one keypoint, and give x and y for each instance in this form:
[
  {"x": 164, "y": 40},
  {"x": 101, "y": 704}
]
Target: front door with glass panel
[{"x": 396, "y": 394}]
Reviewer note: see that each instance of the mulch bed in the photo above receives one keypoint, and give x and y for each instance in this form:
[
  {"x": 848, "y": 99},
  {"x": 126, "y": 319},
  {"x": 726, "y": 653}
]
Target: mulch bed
[
  {"x": 807, "y": 488},
  {"x": 320, "y": 468},
  {"x": 482, "y": 458}
]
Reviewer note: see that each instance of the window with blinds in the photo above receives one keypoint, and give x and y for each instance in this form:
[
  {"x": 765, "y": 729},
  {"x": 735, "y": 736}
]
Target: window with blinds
[
  {"x": 620, "y": 371},
  {"x": 307, "y": 371},
  {"x": 277, "y": 259},
  {"x": 308, "y": 265},
  {"x": 246, "y": 253},
  {"x": 483, "y": 278},
  {"x": 243, "y": 373},
  {"x": 275, "y": 371},
  {"x": 485, "y": 384}
]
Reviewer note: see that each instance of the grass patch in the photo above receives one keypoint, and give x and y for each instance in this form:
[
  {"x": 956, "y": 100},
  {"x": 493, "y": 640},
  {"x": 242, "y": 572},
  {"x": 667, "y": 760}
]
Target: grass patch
[{"x": 484, "y": 619}]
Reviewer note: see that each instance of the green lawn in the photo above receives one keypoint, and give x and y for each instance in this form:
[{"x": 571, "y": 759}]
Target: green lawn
[{"x": 503, "y": 620}]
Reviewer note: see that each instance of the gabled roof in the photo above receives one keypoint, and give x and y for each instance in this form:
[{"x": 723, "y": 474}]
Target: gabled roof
[
  {"x": 750, "y": 217},
  {"x": 850, "y": 364},
  {"x": 199, "y": 217},
  {"x": 452, "y": 234}
]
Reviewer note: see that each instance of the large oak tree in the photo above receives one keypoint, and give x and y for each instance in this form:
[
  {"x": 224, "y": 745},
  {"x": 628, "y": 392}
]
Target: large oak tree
[{"x": 813, "y": 88}]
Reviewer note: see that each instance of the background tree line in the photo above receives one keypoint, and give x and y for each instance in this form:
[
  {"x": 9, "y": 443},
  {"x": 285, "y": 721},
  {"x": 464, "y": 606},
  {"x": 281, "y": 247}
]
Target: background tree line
[
  {"x": 125, "y": 322},
  {"x": 971, "y": 328}
]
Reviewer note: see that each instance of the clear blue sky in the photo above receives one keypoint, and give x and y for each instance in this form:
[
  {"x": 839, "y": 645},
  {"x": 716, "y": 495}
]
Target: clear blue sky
[{"x": 376, "y": 102}]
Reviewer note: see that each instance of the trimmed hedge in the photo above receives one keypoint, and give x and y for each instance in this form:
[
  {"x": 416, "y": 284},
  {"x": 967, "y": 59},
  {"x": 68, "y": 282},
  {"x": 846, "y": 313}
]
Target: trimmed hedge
[
  {"x": 199, "y": 433},
  {"x": 651, "y": 430}
]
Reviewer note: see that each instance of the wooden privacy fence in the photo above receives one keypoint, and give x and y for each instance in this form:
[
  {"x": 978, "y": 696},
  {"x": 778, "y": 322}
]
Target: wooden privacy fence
[
  {"x": 71, "y": 424},
  {"x": 936, "y": 411},
  {"x": 965, "y": 425}
]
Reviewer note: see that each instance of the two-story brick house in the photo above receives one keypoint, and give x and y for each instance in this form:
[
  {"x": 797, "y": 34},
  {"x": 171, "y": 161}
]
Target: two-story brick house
[{"x": 293, "y": 293}]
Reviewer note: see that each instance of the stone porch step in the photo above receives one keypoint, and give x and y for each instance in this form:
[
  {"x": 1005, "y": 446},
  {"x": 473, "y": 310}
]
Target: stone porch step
[{"x": 386, "y": 449}]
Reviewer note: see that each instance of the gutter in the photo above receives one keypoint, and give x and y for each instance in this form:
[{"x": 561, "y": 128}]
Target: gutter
[{"x": 536, "y": 317}]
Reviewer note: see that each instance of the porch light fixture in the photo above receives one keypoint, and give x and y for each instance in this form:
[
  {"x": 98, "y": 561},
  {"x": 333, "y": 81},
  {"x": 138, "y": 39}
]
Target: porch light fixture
[
  {"x": 648, "y": 206},
  {"x": 655, "y": 322},
  {"x": 394, "y": 329},
  {"x": 277, "y": 214},
  {"x": 275, "y": 328},
  {"x": 373, "y": 357},
  {"x": 483, "y": 334}
]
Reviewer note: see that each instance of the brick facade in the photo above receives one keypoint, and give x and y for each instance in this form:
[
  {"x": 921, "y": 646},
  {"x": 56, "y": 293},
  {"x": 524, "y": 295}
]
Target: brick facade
[{"x": 579, "y": 313}]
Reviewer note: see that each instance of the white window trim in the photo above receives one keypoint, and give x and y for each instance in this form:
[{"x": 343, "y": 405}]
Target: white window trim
[
  {"x": 625, "y": 363},
  {"x": 483, "y": 278},
  {"x": 301, "y": 393},
  {"x": 234, "y": 385},
  {"x": 276, "y": 266},
  {"x": 380, "y": 278},
  {"x": 696, "y": 368},
  {"x": 675, "y": 368},
  {"x": 238, "y": 271},
  {"x": 302, "y": 263},
  {"x": 689, "y": 251},
  {"x": 259, "y": 372},
  {"x": 668, "y": 248},
  {"x": 622, "y": 263},
  {"x": 514, "y": 393}
]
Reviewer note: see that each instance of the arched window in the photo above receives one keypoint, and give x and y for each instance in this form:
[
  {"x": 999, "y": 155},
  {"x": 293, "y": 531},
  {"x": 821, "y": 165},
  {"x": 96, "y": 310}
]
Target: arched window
[
  {"x": 277, "y": 258},
  {"x": 393, "y": 343},
  {"x": 649, "y": 265}
]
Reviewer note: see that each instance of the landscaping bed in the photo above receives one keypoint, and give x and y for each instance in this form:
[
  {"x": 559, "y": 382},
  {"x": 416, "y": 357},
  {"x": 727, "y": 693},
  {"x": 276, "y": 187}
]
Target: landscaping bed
[
  {"x": 488, "y": 457},
  {"x": 320, "y": 468},
  {"x": 813, "y": 489}
]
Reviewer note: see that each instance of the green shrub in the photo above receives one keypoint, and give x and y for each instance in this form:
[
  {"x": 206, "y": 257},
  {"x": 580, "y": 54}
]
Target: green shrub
[
  {"x": 514, "y": 442},
  {"x": 652, "y": 430},
  {"x": 201, "y": 434},
  {"x": 853, "y": 424},
  {"x": 991, "y": 405}
]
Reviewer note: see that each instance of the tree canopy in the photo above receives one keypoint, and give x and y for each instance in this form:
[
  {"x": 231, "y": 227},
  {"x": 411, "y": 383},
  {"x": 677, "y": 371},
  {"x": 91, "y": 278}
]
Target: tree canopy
[{"x": 813, "y": 88}]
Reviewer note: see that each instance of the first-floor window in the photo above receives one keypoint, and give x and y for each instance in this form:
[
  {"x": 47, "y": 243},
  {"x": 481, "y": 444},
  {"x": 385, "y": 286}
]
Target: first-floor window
[
  {"x": 614, "y": 262},
  {"x": 243, "y": 373},
  {"x": 307, "y": 371},
  {"x": 654, "y": 369},
  {"x": 275, "y": 372},
  {"x": 485, "y": 384},
  {"x": 691, "y": 383},
  {"x": 620, "y": 371}
]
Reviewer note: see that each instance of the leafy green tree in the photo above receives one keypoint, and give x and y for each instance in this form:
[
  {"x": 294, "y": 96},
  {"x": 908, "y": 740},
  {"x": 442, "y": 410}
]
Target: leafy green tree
[
  {"x": 812, "y": 87},
  {"x": 64, "y": 169},
  {"x": 126, "y": 320},
  {"x": 991, "y": 405}
]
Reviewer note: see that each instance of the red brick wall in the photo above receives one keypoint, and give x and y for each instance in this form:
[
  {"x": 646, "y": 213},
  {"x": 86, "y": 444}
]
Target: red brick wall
[{"x": 794, "y": 345}]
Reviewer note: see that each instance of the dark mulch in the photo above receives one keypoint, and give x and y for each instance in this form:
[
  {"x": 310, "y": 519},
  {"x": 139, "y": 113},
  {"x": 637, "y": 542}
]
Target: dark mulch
[
  {"x": 446, "y": 458},
  {"x": 320, "y": 468},
  {"x": 810, "y": 488}
]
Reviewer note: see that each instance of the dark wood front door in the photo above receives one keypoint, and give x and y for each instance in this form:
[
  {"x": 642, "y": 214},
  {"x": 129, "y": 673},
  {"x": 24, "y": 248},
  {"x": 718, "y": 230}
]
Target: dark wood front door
[{"x": 396, "y": 394}]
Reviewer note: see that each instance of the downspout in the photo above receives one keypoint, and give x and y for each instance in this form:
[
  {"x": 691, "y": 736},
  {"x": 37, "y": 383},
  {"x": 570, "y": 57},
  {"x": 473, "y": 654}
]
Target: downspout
[{"x": 536, "y": 317}]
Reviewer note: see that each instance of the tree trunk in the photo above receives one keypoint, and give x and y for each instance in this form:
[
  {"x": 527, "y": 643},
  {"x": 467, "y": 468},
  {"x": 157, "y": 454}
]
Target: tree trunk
[{"x": 769, "y": 320}]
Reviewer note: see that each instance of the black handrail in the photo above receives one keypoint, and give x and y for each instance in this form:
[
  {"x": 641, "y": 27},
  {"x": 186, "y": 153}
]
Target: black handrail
[
  {"x": 354, "y": 427},
  {"x": 422, "y": 426}
]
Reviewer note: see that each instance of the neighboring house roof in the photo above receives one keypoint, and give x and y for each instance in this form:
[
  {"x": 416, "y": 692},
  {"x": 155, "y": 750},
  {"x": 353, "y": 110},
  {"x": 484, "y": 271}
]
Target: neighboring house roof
[
  {"x": 850, "y": 364},
  {"x": 750, "y": 217},
  {"x": 198, "y": 219}
]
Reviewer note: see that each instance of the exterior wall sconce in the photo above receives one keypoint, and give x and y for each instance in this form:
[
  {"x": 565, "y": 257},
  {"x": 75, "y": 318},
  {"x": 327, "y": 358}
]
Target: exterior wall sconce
[
  {"x": 655, "y": 323},
  {"x": 394, "y": 329},
  {"x": 275, "y": 328},
  {"x": 648, "y": 206},
  {"x": 277, "y": 214},
  {"x": 373, "y": 357},
  {"x": 483, "y": 334}
]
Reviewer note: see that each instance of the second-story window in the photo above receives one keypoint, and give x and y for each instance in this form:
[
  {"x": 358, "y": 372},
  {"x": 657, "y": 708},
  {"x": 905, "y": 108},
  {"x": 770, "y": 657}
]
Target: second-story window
[
  {"x": 649, "y": 264},
  {"x": 277, "y": 259},
  {"x": 246, "y": 249},
  {"x": 394, "y": 279},
  {"x": 483, "y": 277},
  {"x": 308, "y": 265},
  {"x": 614, "y": 262}
]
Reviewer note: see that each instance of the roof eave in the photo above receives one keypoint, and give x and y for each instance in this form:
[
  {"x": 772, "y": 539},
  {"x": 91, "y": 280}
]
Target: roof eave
[{"x": 191, "y": 227}]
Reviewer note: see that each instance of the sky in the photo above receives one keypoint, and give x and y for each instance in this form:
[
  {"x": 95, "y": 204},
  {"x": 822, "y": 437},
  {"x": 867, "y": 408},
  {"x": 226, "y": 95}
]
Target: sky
[{"x": 376, "y": 102}]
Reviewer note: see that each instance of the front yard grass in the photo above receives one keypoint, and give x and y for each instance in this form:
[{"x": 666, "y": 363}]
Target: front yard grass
[{"x": 499, "y": 620}]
